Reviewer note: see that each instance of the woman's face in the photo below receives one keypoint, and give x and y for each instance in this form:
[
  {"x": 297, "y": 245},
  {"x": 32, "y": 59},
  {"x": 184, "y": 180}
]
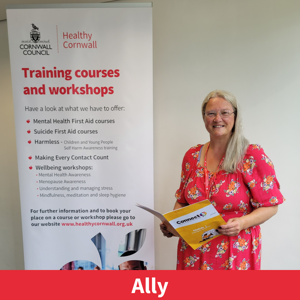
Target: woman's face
[{"x": 219, "y": 126}]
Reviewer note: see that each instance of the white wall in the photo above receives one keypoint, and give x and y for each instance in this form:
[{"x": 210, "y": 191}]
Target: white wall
[
  {"x": 250, "y": 48},
  {"x": 11, "y": 246}
]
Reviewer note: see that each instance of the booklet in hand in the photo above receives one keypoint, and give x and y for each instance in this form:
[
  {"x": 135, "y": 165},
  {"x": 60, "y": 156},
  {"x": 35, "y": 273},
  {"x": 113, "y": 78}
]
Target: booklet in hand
[{"x": 195, "y": 223}]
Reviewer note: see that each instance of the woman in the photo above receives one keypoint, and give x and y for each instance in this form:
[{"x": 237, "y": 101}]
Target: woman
[{"x": 238, "y": 179}]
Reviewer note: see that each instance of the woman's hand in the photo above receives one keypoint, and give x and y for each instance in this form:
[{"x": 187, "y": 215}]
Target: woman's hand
[
  {"x": 168, "y": 230},
  {"x": 232, "y": 228},
  {"x": 256, "y": 217},
  {"x": 164, "y": 230}
]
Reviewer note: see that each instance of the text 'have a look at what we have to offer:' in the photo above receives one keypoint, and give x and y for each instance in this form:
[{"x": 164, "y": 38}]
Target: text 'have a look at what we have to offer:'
[{"x": 69, "y": 75}]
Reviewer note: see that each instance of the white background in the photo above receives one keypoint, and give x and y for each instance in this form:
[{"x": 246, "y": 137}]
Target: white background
[{"x": 250, "y": 48}]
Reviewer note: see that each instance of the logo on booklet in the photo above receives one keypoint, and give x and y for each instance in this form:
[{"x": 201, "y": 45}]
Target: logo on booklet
[{"x": 202, "y": 214}]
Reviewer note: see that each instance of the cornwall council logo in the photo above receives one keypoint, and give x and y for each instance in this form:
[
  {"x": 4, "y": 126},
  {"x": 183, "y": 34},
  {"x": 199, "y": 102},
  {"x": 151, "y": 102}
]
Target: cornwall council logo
[
  {"x": 35, "y": 35},
  {"x": 34, "y": 45}
]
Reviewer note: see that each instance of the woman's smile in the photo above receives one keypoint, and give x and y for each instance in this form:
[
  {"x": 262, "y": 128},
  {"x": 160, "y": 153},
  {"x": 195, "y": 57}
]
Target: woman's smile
[{"x": 215, "y": 122}]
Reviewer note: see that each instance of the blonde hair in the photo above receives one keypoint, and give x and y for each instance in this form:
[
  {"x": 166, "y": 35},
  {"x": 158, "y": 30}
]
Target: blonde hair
[{"x": 238, "y": 144}]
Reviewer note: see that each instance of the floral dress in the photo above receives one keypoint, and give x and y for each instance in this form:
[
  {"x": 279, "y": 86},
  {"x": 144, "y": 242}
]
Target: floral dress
[{"x": 233, "y": 195}]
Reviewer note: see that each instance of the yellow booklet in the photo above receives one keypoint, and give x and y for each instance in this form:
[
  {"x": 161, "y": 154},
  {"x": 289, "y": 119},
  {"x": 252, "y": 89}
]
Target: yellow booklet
[{"x": 195, "y": 223}]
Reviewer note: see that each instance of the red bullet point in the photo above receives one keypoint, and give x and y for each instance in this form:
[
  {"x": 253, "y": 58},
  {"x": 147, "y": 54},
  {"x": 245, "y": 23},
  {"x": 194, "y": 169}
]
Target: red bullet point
[
  {"x": 30, "y": 168},
  {"x": 28, "y": 131},
  {"x": 30, "y": 157},
  {"x": 29, "y": 142},
  {"x": 28, "y": 121}
]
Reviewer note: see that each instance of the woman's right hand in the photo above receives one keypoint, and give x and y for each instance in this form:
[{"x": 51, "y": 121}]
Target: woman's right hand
[
  {"x": 164, "y": 230},
  {"x": 167, "y": 229}
]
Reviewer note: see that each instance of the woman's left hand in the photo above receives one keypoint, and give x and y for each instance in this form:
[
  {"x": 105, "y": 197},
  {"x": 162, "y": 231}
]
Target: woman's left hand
[
  {"x": 256, "y": 217},
  {"x": 232, "y": 228}
]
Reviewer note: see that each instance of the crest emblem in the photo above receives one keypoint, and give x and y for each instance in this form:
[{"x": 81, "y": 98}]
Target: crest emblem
[{"x": 35, "y": 35}]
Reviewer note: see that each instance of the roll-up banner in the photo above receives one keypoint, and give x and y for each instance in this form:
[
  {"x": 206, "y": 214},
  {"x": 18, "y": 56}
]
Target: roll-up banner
[{"x": 83, "y": 101}]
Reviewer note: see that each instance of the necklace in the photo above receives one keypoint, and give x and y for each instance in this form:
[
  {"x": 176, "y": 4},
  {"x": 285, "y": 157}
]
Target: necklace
[{"x": 209, "y": 183}]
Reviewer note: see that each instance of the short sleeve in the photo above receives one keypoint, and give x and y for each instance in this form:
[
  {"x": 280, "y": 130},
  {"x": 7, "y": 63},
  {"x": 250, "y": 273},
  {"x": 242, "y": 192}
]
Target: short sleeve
[
  {"x": 259, "y": 175},
  {"x": 188, "y": 164}
]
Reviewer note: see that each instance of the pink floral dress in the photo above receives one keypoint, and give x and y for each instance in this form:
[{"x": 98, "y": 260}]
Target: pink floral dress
[{"x": 233, "y": 195}]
